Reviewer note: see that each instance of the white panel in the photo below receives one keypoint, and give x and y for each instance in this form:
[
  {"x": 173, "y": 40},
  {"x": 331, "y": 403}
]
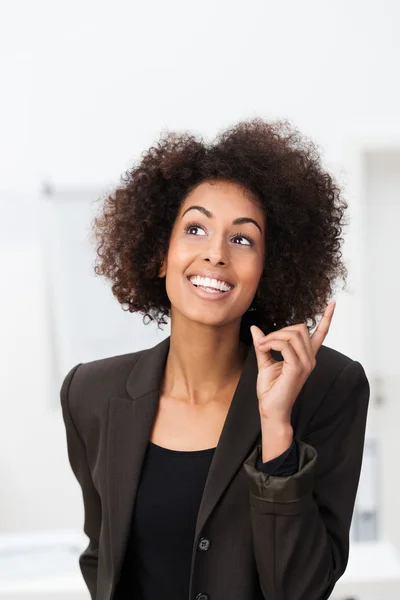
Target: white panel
[{"x": 87, "y": 320}]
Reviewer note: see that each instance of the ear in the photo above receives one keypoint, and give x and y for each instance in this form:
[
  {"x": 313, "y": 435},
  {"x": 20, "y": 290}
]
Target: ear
[{"x": 162, "y": 269}]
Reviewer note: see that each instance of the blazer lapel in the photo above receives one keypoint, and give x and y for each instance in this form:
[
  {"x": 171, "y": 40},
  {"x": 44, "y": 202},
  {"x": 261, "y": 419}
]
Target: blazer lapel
[
  {"x": 241, "y": 428},
  {"x": 130, "y": 424}
]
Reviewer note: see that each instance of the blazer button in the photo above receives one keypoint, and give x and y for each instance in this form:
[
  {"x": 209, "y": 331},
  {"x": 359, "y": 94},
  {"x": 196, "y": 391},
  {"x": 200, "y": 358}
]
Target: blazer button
[
  {"x": 204, "y": 544},
  {"x": 202, "y": 597}
]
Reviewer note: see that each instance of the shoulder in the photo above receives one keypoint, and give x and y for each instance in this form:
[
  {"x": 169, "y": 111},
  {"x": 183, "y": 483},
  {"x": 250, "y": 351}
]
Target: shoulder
[
  {"x": 335, "y": 366},
  {"x": 331, "y": 359},
  {"x": 88, "y": 387},
  {"x": 331, "y": 364},
  {"x": 105, "y": 375},
  {"x": 337, "y": 382}
]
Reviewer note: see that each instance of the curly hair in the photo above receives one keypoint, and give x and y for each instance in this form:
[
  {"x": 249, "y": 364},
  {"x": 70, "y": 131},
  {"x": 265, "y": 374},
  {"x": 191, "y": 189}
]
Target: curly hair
[{"x": 281, "y": 168}]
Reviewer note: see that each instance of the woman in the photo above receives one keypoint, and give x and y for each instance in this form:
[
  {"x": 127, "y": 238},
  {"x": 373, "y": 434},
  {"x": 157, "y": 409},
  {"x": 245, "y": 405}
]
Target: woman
[{"x": 222, "y": 463}]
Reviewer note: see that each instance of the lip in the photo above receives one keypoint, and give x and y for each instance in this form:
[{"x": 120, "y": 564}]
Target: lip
[
  {"x": 211, "y": 275},
  {"x": 208, "y": 295}
]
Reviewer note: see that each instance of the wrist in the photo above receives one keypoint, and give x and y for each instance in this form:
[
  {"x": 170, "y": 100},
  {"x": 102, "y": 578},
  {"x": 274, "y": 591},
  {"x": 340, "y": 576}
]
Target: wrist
[
  {"x": 278, "y": 425},
  {"x": 277, "y": 437}
]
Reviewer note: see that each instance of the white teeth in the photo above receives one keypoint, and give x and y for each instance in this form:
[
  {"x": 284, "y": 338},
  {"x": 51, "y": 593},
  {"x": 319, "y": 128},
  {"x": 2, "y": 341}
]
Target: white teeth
[
  {"x": 210, "y": 283},
  {"x": 210, "y": 290}
]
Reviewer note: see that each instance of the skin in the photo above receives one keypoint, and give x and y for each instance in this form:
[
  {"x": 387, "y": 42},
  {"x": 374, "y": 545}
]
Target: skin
[
  {"x": 280, "y": 382},
  {"x": 206, "y": 357}
]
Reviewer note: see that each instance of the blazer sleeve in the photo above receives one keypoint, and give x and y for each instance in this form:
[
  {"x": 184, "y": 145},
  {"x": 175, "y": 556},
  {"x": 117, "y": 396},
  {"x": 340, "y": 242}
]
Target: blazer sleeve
[
  {"x": 285, "y": 464},
  {"x": 88, "y": 560},
  {"x": 301, "y": 523}
]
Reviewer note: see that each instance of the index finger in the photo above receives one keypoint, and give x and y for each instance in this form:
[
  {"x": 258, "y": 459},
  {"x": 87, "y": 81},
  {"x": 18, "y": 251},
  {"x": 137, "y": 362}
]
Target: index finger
[{"x": 323, "y": 327}]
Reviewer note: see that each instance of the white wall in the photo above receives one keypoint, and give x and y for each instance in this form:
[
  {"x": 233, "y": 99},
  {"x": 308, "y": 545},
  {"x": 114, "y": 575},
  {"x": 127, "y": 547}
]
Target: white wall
[{"x": 86, "y": 87}]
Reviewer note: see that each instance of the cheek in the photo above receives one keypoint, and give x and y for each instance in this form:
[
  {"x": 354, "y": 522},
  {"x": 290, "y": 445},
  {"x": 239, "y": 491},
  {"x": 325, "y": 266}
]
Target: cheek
[
  {"x": 180, "y": 250},
  {"x": 250, "y": 270}
]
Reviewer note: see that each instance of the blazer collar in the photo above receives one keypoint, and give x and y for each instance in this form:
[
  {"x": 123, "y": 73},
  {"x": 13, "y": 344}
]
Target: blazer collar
[{"x": 130, "y": 424}]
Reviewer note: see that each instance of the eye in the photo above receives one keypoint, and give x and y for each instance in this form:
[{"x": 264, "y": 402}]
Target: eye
[
  {"x": 245, "y": 237},
  {"x": 192, "y": 226},
  {"x": 237, "y": 235}
]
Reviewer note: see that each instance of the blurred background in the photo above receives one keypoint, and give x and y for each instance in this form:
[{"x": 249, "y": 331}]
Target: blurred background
[{"x": 85, "y": 88}]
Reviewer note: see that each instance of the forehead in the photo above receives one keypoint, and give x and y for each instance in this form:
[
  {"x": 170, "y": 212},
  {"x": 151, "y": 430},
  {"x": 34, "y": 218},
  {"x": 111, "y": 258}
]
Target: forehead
[{"x": 220, "y": 196}]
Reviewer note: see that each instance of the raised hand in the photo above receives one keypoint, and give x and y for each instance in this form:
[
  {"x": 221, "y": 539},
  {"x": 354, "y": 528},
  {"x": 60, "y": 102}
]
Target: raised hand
[{"x": 280, "y": 382}]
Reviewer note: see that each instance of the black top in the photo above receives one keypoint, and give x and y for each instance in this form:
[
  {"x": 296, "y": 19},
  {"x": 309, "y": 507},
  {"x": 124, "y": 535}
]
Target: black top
[{"x": 158, "y": 557}]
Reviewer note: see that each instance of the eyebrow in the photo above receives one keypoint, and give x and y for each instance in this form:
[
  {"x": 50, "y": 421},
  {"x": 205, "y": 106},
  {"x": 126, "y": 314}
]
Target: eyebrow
[{"x": 209, "y": 214}]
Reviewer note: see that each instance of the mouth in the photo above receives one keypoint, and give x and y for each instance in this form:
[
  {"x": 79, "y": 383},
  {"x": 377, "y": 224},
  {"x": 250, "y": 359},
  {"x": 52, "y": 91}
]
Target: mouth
[{"x": 209, "y": 293}]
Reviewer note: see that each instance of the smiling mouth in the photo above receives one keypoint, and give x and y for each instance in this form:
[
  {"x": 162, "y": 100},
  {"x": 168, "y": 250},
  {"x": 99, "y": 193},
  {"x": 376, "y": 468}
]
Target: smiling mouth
[{"x": 210, "y": 290}]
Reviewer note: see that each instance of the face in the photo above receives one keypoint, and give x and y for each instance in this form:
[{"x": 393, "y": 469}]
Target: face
[{"x": 207, "y": 239}]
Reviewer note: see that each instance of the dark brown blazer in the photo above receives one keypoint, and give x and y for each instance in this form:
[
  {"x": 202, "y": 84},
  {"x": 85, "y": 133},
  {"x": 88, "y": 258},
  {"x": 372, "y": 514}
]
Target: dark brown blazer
[{"x": 277, "y": 538}]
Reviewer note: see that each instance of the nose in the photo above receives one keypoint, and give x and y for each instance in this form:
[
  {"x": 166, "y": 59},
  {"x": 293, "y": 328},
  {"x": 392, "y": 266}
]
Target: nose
[
  {"x": 216, "y": 253},
  {"x": 215, "y": 262}
]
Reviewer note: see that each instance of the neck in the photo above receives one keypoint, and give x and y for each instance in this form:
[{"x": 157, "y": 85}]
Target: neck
[{"x": 204, "y": 365}]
